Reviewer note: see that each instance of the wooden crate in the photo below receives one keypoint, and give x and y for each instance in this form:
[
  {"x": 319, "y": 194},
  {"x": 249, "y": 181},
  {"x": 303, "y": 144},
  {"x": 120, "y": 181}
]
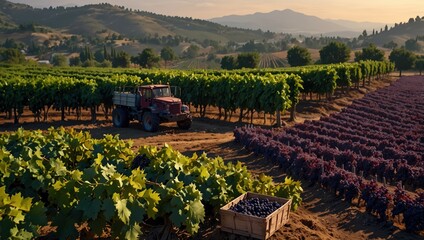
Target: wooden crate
[{"x": 252, "y": 226}]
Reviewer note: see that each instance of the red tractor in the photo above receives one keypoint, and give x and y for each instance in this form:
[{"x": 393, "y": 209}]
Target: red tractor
[{"x": 150, "y": 105}]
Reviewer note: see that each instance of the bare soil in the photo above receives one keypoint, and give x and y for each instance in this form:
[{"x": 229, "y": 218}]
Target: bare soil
[{"x": 321, "y": 216}]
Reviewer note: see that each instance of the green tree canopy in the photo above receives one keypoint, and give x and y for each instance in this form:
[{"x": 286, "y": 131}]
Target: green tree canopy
[
  {"x": 334, "y": 52},
  {"x": 11, "y": 55},
  {"x": 60, "y": 60},
  {"x": 192, "y": 51},
  {"x": 248, "y": 60},
  {"x": 402, "y": 58},
  {"x": 75, "y": 61},
  {"x": 419, "y": 64},
  {"x": 147, "y": 58},
  {"x": 412, "y": 45},
  {"x": 228, "y": 62},
  {"x": 86, "y": 54},
  {"x": 99, "y": 55},
  {"x": 391, "y": 45},
  {"x": 121, "y": 59},
  {"x": 370, "y": 53},
  {"x": 298, "y": 56},
  {"x": 167, "y": 54}
]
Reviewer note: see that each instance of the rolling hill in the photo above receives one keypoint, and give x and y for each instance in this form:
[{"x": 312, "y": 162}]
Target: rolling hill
[
  {"x": 91, "y": 20},
  {"x": 400, "y": 33},
  {"x": 289, "y": 21}
]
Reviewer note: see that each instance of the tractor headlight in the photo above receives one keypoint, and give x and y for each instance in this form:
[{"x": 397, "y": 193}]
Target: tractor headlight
[{"x": 185, "y": 109}]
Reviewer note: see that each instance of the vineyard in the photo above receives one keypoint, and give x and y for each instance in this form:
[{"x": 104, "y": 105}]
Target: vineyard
[
  {"x": 64, "y": 178},
  {"x": 261, "y": 91},
  {"x": 78, "y": 185},
  {"x": 370, "y": 153}
]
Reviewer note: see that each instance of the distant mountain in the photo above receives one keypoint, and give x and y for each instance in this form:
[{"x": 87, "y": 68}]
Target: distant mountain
[
  {"x": 289, "y": 21},
  {"x": 358, "y": 26},
  {"x": 100, "y": 20}
]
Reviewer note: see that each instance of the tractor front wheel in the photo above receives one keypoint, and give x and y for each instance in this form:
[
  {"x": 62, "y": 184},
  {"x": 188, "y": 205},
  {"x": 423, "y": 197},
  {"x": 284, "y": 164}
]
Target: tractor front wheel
[{"x": 185, "y": 124}]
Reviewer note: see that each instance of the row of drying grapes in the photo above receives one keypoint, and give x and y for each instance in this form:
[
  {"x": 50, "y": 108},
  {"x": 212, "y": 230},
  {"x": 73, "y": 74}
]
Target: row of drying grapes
[
  {"x": 63, "y": 178},
  {"x": 380, "y": 136}
]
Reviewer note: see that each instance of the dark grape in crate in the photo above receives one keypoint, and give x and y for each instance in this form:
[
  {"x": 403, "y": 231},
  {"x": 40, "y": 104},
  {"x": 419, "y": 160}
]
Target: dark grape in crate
[{"x": 252, "y": 216}]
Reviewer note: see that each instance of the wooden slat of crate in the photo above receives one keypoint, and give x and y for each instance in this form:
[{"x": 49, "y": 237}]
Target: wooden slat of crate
[{"x": 252, "y": 226}]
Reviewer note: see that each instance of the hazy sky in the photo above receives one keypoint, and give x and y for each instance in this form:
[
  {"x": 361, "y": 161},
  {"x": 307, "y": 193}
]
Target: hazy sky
[{"x": 385, "y": 11}]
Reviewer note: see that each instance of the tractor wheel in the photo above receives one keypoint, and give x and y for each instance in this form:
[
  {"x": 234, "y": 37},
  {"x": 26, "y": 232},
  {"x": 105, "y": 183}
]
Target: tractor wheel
[
  {"x": 120, "y": 118},
  {"x": 185, "y": 124},
  {"x": 150, "y": 122}
]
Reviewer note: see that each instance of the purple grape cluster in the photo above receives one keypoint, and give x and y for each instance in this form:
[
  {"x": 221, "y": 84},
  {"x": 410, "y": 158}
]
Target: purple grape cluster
[{"x": 259, "y": 207}]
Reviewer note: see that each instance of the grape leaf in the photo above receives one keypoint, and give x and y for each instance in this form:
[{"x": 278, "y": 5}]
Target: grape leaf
[
  {"x": 20, "y": 203},
  {"x": 5, "y": 228},
  {"x": 152, "y": 199},
  {"x": 133, "y": 232},
  {"x": 123, "y": 212},
  {"x": 4, "y": 169},
  {"x": 204, "y": 174},
  {"x": 89, "y": 207},
  {"x": 4, "y": 197},
  {"x": 196, "y": 211},
  {"x": 17, "y": 215},
  {"x": 37, "y": 214},
  {"x": 76, "y": 175},
  {"x": 177, "y": 217},
  {"x": 108, "y": 209}
]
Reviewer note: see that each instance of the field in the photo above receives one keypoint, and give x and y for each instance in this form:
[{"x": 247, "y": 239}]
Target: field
[{"x": 322, "y": 214}]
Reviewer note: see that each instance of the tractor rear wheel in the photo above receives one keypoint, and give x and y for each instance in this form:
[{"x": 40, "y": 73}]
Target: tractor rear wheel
[
  {"x": 150, "y": 122},
  {"x": 120, "y": 118}
]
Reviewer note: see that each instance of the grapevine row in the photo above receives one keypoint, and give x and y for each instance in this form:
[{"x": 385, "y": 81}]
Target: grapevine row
[
  {"x": 42, "y": 89},
  {"x": 66, "y": 178},
  {"x": 368, "y": 138}
]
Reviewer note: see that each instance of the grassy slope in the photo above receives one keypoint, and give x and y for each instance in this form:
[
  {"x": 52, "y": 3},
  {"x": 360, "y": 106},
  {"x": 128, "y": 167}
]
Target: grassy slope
[{"x": 91, "y": 19}]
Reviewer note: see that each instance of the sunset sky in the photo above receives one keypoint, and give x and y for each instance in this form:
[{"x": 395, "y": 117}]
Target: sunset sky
[{"x": 384, "y": 11}]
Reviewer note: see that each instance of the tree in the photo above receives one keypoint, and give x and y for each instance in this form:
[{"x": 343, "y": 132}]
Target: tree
[
  {"x": 106, "y": 64},
  {"x": 147, "y": 58},
  {"x": 10, "y": 43},
  {"x": 228, "y": 62},
  {"x": 419, "y": 65},
  {"x": 99, "y": 55},
  {"x": 60, "y": 60},
  {"x": 121, "y": 59},
  {"x": 167, "y": 54},
  {"x": 412, "y": 45},
  {"x": 106, "y": 55},
  {"x": 89, "y": 63},
  {"x": 391, "y": 45},
  {"x": 402, "y": 58},
  {"x": 334, "y": 52},
  {"x": 86, "y": 54},
  {"x": 75, "y": 61},
  {"x": 11, "y": 55},
  {"x": 248, "y": 60},
  {"x": 298, "y": 56},
  {"x": 192, "y": 51},
  {"x": 370, "y": 53}
]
